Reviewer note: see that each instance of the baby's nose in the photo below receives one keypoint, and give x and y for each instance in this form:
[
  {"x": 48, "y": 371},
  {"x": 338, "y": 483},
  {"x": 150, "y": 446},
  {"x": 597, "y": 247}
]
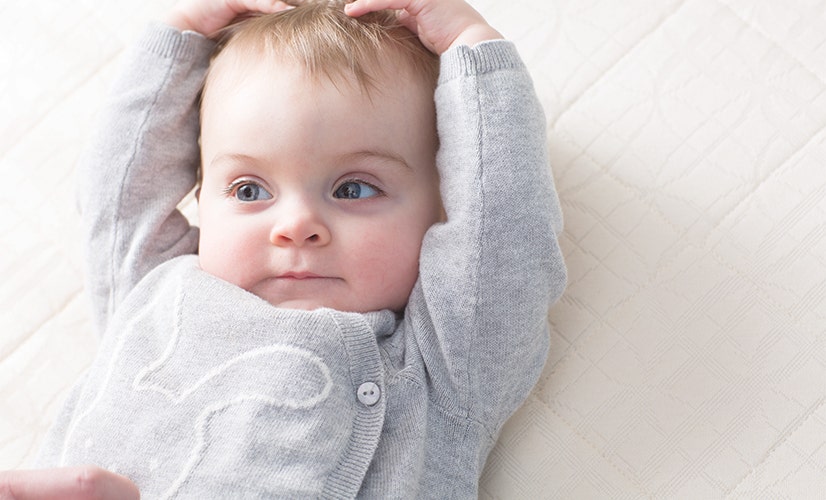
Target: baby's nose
[{"x": 299, "y": 225}]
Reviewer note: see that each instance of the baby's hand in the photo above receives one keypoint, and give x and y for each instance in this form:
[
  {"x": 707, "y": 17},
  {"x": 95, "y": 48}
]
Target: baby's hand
[
  {"x": 208, "y": 16},
  {"x": 440, "y": 24}
]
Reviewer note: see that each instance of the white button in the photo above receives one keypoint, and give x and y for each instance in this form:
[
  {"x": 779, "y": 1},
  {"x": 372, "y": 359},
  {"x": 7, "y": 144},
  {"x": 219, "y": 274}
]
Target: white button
[{"x": 369, "y": 393}]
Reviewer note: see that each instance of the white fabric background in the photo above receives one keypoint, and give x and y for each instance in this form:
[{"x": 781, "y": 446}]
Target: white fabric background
[{"x": 688, "y": 141}]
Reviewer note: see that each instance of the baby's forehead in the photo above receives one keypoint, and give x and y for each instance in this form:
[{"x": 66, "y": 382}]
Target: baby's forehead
[
  {"x": 246, "y": 84},
  {"x": 369, "y": 76}
]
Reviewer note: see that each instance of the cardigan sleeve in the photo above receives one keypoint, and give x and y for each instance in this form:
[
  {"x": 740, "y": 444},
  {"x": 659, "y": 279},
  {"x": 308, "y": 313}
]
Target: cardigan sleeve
[
  {"x": 489, "y": 273},
  {"x": 140, "y": 165}
]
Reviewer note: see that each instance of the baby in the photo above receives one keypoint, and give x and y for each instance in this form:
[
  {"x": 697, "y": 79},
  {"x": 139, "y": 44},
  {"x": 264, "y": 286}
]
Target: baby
[{"x": 365, "y": 302}]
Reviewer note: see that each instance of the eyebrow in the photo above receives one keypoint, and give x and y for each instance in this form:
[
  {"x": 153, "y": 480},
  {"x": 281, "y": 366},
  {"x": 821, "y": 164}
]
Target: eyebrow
[
  {"x": 368, "y": 154},
  {"x": 233, "y": 158}
]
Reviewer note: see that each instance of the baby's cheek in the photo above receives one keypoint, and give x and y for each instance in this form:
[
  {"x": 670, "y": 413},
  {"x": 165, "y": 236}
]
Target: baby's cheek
[
  {"x": 405, "y": 271},
  {"x": 219, "y": 259},
  {"x": 207, "y": 261}
]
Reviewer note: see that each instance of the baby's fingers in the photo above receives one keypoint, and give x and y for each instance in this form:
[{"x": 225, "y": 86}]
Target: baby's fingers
[
  {"x": 262, "y": 6},
  {"x": 440, "y": 24},
  {"x": 361, "y": 7},
  {"x": 406, "y": 10},
  {"x": 408, "y": 21},
  {"x": 209, "y": 17}
]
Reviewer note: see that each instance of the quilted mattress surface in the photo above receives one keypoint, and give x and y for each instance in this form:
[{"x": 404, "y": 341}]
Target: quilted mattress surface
[{"x": 688, "y": 144}]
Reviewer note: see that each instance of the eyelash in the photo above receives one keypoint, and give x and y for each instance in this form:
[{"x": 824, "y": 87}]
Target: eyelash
[
  {"x": 359, "y": 181},
  {"x": 229, "y": 190}
]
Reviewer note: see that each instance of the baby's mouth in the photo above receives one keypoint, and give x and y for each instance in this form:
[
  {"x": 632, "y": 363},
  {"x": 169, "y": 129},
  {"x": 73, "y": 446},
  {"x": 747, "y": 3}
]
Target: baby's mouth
[{"x": 303, "y": 275}]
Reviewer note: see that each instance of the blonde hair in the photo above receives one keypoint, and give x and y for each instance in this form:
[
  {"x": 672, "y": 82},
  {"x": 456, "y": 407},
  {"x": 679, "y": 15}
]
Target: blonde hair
[{"x": 324, "y": 41}]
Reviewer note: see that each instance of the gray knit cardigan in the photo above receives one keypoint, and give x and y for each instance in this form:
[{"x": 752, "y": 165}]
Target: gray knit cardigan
[{"x": 203, "y": 390}]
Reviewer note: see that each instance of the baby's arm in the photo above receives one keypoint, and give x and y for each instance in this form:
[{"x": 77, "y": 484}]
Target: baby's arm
[
  {"x": 144, "y": 157},
  {"x": 141, "y": 162},
  {"x": 489, "y": 273}
]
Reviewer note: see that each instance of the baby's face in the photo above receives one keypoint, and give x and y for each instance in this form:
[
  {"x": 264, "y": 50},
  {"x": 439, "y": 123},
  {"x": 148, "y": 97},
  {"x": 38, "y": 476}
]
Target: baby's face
[{"x": 315, "y": 195}]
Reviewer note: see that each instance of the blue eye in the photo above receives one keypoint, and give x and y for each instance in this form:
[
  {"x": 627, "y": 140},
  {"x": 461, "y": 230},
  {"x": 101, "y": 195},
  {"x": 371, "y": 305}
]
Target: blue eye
[
  {"x": 248, "y": 192},
  {"x": 355, "y": 190}
]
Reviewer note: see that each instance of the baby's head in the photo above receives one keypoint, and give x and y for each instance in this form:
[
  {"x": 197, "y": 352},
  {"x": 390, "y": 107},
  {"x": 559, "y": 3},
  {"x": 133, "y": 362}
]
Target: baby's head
[{"x": 318, "y": 146}]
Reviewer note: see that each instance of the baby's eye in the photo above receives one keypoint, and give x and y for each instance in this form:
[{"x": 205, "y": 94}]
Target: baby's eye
[
  {"x": 356, "y": 190},
  {"x": 248, "y": 192}
]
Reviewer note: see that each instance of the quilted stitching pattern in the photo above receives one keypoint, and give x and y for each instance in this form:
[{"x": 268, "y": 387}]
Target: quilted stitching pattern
[
  {"x": 690, "y": 351},
  {"x": 688, "y": 141}
]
